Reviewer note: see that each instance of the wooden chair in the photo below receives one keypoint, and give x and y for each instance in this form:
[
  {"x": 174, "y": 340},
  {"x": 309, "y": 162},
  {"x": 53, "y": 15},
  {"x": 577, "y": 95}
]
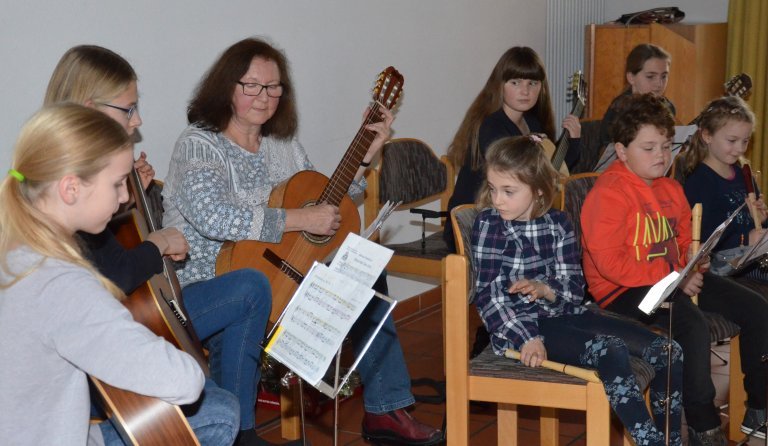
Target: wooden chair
[
  {"x": 492, "y": 378},
  {"x": 573, "y": 193},
  {"x": 409, "y": 171}
]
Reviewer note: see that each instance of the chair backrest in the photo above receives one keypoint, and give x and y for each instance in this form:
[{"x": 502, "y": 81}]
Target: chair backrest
[
  {"x": 409, "y": 171},
  {"x": 463, "y": 218},
  {"x": 574, "y": 191},
  {"x": 591, "y": 148}
]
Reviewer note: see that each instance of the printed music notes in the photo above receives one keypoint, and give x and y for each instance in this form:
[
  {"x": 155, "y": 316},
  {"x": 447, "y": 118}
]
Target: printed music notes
[
  {"x": 664, "y": 288},
  {"x": 325, "y": 306}
]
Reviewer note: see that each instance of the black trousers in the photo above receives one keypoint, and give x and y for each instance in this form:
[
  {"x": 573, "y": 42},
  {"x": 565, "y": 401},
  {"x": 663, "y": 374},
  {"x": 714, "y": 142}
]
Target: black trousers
[{"x": 736, "y": 303}]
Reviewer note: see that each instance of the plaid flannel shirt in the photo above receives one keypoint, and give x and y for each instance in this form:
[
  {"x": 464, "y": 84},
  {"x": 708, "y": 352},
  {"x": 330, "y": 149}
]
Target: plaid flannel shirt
[{"x": 503, "y": 252}]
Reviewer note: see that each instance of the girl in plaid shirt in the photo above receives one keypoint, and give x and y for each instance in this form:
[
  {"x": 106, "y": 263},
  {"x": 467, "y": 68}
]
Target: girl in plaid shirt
[{"x": 530, "y": 291}]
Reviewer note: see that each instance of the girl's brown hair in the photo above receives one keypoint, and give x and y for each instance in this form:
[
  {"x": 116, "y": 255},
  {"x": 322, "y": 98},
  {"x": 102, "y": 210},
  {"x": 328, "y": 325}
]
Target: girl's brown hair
[
  {"x": 637, "y": 110},
  {"x": 642, "y": 54},
  {"x": 715, "y": 116},
  {"x": 211, "y": 106},
  {"x": 516, "y": 63},
  {"x": 523, "y": 158},
  {"x": 62, "y": 139}
]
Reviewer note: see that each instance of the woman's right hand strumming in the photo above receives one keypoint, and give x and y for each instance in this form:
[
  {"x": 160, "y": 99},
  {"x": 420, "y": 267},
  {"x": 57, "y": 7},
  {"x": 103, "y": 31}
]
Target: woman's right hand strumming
[{"x": 322, "y": 219}]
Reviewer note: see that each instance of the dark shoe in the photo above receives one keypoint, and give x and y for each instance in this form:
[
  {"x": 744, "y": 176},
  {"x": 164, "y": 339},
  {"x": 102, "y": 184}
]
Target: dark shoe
[
  {"x": 399, "y": 427},
  {"x": 753, "y": 421},
  {"x": 249, "y": 438},
  {"x": 712, "y": 437}
]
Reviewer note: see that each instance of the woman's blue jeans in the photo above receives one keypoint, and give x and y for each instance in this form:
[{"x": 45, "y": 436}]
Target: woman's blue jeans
[
  {"x": 385, "y": 377},
  {"x": 230, "y": 313}
]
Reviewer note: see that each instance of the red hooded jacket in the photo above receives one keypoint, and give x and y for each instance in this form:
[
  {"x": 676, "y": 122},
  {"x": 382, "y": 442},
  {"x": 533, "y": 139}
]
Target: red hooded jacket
[{"x": 633, "y": 234}]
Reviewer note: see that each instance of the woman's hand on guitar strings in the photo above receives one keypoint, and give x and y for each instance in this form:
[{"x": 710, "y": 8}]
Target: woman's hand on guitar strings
[
  {"x": 170, "y": 242},
  {"x": 321, "y": 219},
  {"x": 382, "y": 129}
]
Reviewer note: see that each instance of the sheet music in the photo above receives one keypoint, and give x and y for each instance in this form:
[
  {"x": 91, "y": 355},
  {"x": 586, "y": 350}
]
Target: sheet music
[
  {"x": 759, "y": 249},
  {"x": 361, "y": 259},
  {"x": 384, "y": 213},
  {"x": 320, "y": 315},
  {"x": 659, "y": 292},
  {"x": 682, "y": 134}
]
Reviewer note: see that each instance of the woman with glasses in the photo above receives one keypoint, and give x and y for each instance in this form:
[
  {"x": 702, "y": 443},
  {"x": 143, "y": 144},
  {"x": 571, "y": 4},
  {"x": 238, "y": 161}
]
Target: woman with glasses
[
  {"x": 241, "y": 143},
  {"x": 229, "y": 313}
]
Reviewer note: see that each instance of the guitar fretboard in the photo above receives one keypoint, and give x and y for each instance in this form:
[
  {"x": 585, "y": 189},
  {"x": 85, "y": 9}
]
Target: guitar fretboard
[{"x": 342, "y": 177}]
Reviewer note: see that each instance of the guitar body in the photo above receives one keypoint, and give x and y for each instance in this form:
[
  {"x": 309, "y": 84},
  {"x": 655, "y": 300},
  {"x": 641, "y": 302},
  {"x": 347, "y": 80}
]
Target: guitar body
[
  {"x": 143, "y": 420},
  {"x": 150, "y": 304},
  {"x": 550, "y": 149},
  {"x": 298, "y": 249},
  {"x": 294, "y": 255}
]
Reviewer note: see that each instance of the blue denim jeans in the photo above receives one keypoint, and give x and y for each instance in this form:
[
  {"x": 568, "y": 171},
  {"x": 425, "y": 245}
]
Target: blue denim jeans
[
  {"x": 386, "y": 382},
  {"x": 230, "y": 313},
  {"x": 214, "y": 418}
]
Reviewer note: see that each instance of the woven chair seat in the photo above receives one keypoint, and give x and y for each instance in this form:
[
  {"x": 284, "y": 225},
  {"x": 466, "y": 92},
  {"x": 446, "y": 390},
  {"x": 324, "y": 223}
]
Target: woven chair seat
[
  {"x": 436, "y": 248},
  {"x": 720, "y": 328},
  {"x": 488, "y": 364}
]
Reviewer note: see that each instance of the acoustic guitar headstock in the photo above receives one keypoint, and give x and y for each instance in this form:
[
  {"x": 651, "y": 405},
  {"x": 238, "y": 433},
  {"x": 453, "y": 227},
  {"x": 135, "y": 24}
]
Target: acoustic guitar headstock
[
  {"x": 738, "y": 85},
  {"x": 389, "y": 87},
  {"x": 578, "y": 87}
]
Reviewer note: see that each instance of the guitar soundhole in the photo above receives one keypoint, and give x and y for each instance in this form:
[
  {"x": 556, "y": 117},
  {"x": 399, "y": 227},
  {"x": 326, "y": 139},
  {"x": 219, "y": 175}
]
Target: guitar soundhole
[{"x": 315, "y": 238}]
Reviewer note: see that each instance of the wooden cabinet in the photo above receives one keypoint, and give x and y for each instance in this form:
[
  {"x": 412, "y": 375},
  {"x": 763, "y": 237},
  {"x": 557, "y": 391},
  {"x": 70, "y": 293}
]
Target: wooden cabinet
[{"x": 697, "y": 72}]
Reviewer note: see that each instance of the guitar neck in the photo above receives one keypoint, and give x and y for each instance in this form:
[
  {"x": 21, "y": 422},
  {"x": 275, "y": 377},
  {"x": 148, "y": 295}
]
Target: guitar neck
[
  {"x": 342, "y": 177},
  {"x": 561, "y": 146},
  {"x": 142, "y": 202}
]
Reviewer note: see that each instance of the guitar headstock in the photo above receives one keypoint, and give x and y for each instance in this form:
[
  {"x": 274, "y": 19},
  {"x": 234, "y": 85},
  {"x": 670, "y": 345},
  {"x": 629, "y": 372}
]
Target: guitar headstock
[
  {"x": 738, "y": 85},
  {"x": 389, "y": 86},
  {"x": 578, "y": 86}
]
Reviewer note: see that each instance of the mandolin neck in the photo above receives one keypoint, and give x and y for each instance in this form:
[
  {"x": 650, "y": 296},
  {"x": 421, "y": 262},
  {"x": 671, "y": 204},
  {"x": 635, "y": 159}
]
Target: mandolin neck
[
  {"x": 561, "y": 147},
  {"x": 342, "y": 177}
]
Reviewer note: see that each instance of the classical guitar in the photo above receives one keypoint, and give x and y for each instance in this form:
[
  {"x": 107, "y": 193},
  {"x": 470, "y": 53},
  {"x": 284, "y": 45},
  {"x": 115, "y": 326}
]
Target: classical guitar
[
  {"x": 157, "y": 303},
  {"x": 143, "y": 420},
  {"x": 297, "y": 250},
  {"x": 578, "y": 94}
]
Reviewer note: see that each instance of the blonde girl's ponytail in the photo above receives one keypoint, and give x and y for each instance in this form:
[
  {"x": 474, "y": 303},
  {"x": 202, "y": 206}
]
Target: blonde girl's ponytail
[{"x": 63, "y": 139}]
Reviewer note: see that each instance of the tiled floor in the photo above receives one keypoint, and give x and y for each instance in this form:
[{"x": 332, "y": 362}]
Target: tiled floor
[{"x": 421, "y": 338}]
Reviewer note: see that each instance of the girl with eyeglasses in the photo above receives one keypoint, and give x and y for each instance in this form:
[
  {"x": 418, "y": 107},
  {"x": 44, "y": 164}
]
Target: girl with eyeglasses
[{"x": 229, "y": 312}]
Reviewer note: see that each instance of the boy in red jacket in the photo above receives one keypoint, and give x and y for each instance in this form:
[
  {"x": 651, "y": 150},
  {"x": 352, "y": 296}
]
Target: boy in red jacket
[{"x": 636, "y": 230}]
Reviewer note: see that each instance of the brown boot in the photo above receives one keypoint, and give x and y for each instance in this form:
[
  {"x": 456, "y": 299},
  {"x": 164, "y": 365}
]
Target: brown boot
[{"x": 399, "y": 427}]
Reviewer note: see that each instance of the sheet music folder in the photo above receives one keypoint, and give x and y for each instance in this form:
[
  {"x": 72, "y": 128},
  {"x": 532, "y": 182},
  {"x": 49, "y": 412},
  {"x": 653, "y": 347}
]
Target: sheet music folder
[
  {"x": 666, "y": 286},
  {"x": 310, "y": 331}
]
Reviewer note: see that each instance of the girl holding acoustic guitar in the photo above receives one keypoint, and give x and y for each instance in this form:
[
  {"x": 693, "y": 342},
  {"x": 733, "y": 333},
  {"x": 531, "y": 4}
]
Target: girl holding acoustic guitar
[
  {"x": 240, "y": 144},
  {"x": 514, "y": 101},
  {"x": 59, "y": 317},
  {"x": 228, "y": 313}
]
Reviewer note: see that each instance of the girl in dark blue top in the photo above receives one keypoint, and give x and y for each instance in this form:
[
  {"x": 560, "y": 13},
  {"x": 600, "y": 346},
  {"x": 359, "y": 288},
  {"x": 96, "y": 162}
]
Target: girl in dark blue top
[
  {"x": 514, "y": 101},
  {"x": 713, "y": 173}
]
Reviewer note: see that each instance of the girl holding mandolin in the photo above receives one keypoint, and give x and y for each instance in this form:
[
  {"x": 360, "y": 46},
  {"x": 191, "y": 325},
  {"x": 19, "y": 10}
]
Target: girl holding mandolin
[
  {"x": 514, "y": 101},
  {"x": 240, "y": 144},
  {"x": 229, "y": 312}
]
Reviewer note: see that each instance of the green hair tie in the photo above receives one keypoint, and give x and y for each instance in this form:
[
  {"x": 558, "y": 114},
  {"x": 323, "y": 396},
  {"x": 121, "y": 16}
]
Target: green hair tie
[{"x": 16, "y": 174}]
